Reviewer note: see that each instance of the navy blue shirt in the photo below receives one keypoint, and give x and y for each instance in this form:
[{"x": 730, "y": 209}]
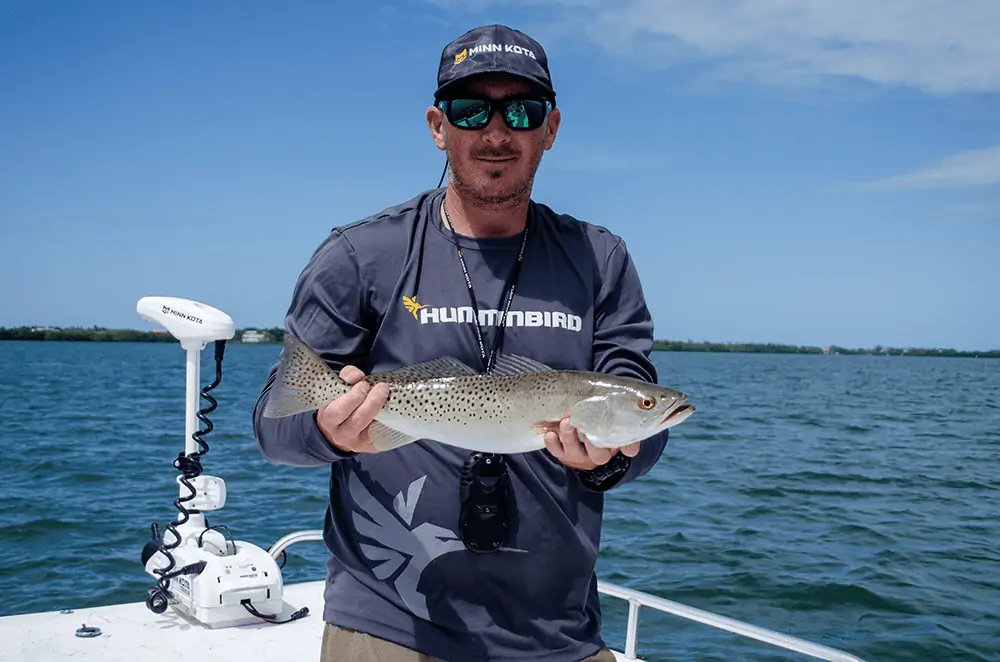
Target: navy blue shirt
[{"x": 388, "y": 291}]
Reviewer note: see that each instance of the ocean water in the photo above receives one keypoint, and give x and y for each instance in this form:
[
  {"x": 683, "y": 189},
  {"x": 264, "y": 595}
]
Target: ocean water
[{"x": 853, "y": 501}]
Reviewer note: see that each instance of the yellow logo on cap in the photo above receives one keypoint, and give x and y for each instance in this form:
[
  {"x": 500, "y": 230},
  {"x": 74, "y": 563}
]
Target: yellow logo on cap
[{"x": 460, "y": 57}]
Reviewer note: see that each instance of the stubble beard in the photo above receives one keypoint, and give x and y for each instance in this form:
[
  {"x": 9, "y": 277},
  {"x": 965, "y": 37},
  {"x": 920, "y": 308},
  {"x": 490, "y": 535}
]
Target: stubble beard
[{"x": 506, "y": 198}]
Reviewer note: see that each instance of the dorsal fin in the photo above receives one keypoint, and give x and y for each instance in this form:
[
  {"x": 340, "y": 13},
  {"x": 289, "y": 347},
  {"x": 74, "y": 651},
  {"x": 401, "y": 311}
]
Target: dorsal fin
[
  {"x": 446, "y": 366},
  {"x": 513, "y": 364}
]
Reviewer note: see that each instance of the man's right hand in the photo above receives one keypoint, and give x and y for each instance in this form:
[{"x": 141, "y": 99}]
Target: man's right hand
[{"x": 344, "y": 420}]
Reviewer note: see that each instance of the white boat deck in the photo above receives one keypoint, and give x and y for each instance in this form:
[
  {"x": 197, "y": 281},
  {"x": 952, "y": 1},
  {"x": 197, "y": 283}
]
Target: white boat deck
[{"x": 132, "y": 633}]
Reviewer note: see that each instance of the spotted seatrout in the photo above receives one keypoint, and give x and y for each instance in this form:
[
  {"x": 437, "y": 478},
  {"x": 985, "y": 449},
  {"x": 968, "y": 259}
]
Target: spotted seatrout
[{"x": 508, "y": 411}]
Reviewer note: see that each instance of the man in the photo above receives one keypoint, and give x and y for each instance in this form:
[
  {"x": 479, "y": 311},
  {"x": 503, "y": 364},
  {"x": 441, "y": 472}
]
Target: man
[{"x": 437, "y": 553}]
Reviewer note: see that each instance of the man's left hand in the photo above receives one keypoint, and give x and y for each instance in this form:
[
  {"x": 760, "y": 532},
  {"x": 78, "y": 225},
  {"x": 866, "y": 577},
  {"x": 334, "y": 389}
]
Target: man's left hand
[{"x": 576, "y": 452}]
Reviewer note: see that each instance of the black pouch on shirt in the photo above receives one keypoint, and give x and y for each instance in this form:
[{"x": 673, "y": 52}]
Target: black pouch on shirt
[
  {"x": 483, "y": 519},
  {"x": 606, "y": 476}
]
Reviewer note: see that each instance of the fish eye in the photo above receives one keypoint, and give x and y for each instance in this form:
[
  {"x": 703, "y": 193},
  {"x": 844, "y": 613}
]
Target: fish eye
[{"x": 647, "y": 402}]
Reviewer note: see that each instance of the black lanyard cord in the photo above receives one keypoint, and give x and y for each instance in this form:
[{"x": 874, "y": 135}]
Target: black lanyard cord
[{"x": 489, "y": 361}]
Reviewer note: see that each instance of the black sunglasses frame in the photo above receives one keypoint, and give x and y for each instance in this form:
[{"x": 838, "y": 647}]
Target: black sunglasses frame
[{"x": 495, "y": 106}]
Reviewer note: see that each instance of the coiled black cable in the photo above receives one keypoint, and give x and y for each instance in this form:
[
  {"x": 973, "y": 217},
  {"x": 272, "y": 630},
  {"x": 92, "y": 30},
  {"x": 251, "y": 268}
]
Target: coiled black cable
[
  {"x": 273, "y": 618},
  {"x": 157, "y": 597}
]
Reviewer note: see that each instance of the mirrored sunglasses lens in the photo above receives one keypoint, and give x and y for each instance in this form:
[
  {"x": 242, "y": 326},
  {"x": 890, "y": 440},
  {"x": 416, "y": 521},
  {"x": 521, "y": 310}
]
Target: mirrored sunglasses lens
[
  {"x": 469, "y": 113},
  {"x": 525, "y": 114}
]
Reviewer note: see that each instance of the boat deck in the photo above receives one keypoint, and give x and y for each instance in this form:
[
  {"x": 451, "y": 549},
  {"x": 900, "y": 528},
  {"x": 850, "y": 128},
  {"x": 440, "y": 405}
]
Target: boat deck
[{"x": 132, "y": 633}]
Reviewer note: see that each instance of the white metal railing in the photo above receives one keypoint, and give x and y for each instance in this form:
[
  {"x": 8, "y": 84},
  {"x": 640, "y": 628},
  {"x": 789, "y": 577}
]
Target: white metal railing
[
  {"x": 311, "y": 535},
  {"x": 637, "y": 599}
]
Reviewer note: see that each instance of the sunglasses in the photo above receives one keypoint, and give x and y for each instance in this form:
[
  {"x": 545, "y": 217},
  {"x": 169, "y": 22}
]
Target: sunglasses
[{"x": 519, "y": 114}]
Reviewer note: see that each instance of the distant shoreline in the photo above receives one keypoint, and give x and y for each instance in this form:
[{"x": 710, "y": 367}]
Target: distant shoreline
[{"x": 276, "y": 336}]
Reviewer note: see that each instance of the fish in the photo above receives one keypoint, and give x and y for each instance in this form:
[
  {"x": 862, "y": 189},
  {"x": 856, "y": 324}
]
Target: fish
[{"x": 506, "y": 411}]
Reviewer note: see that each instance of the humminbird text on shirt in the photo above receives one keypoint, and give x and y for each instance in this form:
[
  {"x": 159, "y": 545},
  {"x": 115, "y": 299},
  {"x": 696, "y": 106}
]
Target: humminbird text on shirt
[
  {"x": 496, "y": 48},
  {"x": 465, "y": 314}
]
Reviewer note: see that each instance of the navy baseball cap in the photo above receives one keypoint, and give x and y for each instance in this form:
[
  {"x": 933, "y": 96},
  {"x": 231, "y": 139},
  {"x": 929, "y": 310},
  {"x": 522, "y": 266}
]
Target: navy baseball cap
[{"x": 494, "y": 49}]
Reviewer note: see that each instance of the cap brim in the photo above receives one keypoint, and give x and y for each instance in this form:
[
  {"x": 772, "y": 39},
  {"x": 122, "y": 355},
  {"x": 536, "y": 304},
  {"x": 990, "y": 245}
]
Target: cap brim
[{"x": 543, "y": 87}]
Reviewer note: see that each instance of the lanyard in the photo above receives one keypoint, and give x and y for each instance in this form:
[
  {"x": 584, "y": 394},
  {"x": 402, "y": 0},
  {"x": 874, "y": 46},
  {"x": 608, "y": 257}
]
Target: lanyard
[{"x": 489, "y": 361}]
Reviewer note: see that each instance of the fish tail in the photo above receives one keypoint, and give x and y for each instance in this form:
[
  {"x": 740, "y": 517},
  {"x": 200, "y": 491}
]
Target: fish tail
[{"x": 303, "y": 381}]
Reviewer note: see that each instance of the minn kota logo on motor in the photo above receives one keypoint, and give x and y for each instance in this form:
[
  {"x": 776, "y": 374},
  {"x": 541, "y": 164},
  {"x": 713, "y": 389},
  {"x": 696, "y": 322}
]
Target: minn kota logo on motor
[{"x": 167, "y": 310}]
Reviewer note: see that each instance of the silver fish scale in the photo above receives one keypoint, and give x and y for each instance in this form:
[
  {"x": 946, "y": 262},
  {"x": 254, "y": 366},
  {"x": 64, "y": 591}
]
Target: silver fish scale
[{"x": 482, "y": 398}]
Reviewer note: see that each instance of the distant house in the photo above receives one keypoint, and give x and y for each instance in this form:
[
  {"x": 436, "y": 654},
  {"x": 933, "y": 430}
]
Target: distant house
[{"x": 253, "y": 335}]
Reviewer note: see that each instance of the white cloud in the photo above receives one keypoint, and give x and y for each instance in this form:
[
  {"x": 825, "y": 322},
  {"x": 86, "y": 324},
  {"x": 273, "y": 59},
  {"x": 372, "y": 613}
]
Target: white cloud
[
  {"x": 977, "y": 167},
  {"x": 938, "y": 46}
]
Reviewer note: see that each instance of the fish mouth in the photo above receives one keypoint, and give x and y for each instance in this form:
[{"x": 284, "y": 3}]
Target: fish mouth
[{"x": 680, "y": 412}]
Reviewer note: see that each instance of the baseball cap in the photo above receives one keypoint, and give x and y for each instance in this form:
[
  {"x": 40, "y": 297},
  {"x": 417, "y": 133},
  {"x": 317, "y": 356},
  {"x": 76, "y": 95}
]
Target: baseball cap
[{"x": 494, "y": 49}]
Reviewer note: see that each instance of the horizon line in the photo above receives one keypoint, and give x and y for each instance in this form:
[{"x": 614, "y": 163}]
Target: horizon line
[{"x": 829, "y": 347}]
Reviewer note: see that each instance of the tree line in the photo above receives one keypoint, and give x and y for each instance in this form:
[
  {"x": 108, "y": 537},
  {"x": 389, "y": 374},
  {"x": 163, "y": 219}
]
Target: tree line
[
  {"x": 275, "y": 335},
  {"x": 101, "y": 334},
  {"x": 774, "y": 348}
]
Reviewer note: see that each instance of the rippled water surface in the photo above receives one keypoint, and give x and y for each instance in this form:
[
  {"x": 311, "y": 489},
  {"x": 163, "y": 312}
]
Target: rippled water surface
[{"x": 853, "y": 501}]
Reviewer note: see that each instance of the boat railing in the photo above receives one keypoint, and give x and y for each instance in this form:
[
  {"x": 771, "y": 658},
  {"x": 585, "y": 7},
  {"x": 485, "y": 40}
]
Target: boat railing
[{"x": 638, "y": 599}]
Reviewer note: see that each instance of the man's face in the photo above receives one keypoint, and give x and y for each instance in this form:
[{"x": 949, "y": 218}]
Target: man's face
[{"x": 495, "y": 165}]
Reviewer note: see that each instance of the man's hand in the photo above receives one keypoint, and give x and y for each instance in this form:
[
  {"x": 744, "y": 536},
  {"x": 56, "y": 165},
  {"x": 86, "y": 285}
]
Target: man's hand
[
  {"x": 576, "y": 452},
  {"x": 344, "y": 420}
]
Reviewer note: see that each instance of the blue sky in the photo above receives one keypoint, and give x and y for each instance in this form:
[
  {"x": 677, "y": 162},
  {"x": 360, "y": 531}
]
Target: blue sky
[{"x": 812, "y": 173}]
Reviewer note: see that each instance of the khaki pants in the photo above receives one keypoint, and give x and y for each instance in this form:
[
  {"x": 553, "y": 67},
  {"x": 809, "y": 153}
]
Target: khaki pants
[{"x": 340, "y": 645}]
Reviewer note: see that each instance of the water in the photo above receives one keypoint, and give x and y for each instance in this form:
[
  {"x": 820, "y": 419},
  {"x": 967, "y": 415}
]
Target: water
[{"x": 853, "y": 501}]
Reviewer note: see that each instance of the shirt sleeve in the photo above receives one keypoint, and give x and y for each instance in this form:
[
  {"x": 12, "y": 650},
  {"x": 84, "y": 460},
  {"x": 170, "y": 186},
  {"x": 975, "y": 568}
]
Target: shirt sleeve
[
  {"x": 327, "y": 312},
  {"x": 623, "y": 341}
]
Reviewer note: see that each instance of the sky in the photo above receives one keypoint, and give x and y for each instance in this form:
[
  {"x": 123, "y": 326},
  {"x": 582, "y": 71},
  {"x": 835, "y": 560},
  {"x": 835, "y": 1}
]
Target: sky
[{"x": 808, "y": 173}]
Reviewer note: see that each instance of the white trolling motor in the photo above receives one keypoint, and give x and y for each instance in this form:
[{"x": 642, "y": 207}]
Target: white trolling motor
[{"x": 201, "y": 571}]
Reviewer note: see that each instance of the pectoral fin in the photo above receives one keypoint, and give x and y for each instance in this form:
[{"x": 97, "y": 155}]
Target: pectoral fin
[{"x": 542, "y": 427}]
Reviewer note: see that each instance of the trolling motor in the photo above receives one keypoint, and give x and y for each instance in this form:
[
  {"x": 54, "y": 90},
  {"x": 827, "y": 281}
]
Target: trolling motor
[{"x": 201, "y": 571}]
